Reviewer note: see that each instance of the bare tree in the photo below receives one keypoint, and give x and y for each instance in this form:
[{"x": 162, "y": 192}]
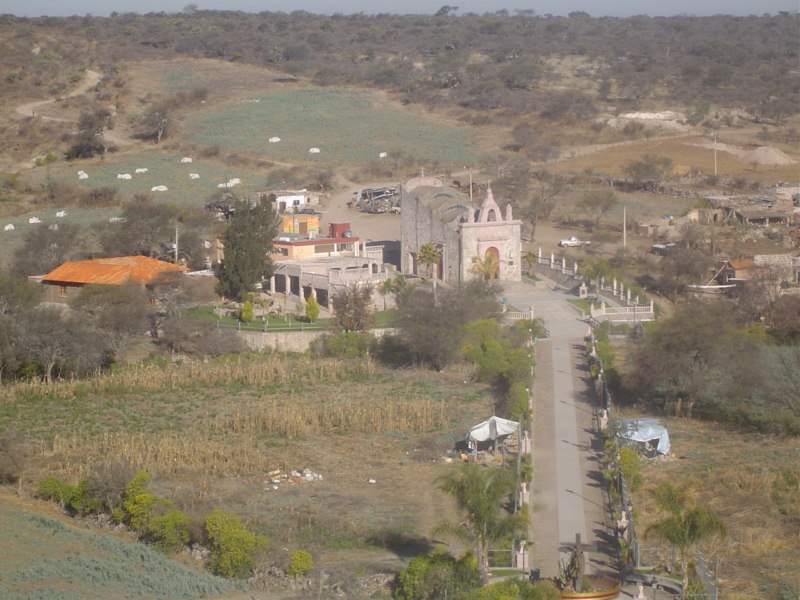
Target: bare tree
[{"x": 352, "y": 308}]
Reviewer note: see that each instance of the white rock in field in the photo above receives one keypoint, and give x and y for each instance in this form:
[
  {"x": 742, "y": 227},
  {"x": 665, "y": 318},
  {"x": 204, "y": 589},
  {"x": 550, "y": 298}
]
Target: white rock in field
[
  {"x": 116, "y": 220},
  {"x": 9, "y": 227},
  {"x": 141, "y": 170},
  {"x": 83, "y": 175},
  {"x": 314, "y": 150},
  {"x": 34, "y": 220},
  {"x": 124, "y": 176},
  {"x": 274, "y": 140},
  {"x": 158, "y": 188},
  {"x": 382, "y": 155},
  {"x": 371, "y": 481},
  {"x": 194, "y": 176},
  {"x": 186, "y": 159},
  {"x": 61, "y": 213}
]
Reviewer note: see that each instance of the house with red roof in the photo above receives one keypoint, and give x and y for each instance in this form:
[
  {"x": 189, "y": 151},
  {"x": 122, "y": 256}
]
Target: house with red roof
[{"x": 65, "y": 281}]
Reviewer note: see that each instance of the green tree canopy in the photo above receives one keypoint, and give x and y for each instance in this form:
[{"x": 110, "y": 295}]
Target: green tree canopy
[{"x": 247, "y": 243}]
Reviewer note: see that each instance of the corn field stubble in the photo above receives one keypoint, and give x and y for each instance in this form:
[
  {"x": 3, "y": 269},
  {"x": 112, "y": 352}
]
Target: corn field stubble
[{"x": 210, "y": 433}]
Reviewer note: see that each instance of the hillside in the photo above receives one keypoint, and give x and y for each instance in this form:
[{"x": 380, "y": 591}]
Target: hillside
[{"x": 52, "y": 558}]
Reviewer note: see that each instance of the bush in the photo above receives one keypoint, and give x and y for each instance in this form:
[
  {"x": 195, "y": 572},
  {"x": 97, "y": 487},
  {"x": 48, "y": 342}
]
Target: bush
[
  {"x": 351, "y": 344},
  {"x": 137, "y": 502},
  {"x": 169, "y": 531},
  {"x": 55, "y": 490},
  {"x": 246, "y": 314},
  {"x": 83, "y": 501},
  {"x": 300, "y": 562},
  {"x": 427, "y": 575},
  {"x": 631, "y": 468},
  {"x": 233, "y": 548},
  {"x": 12, "y": 459}
]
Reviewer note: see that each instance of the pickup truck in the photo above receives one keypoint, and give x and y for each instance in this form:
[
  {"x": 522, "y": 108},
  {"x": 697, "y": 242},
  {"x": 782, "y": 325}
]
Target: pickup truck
[{"x": 572, "y": 242}]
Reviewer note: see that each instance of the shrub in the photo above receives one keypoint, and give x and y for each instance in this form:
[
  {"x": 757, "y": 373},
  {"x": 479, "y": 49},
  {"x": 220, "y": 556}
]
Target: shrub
[
  {"x": 312, "y": 309},
  {"x": 246, "y": 314},
  {"x": 12, "y": 459},
  {"x": 631, "y": 468},
  {"x": 427, "y": 574},
  {"x": 137, "y": 502},
  {"x": 169, "y": 531},
  {"x": 55, "y": 490},
  {"x": 82, "y": 501},
  {"x": 300, "y": 562},
  {"x": 351, "y": 344},
  {"x": 233, "y": 548}
]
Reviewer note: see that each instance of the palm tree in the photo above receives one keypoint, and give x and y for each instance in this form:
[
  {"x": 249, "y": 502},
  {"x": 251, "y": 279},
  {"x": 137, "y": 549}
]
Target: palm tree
[
  {"x": 385, "y": 288},
  {"x": 428, "y": 254},
  {"x": 486, "y": 267},
  {"x": 685, "y": 524},
  {"x": 479, "y": 493}
]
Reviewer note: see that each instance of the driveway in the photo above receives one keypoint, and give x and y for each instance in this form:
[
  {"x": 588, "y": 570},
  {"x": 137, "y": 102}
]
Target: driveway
[{"x": 567, "y": 490}]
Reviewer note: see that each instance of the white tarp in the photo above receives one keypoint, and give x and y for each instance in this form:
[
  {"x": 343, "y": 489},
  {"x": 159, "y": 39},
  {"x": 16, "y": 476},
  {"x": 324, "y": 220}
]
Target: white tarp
[
  {"x": 491, "y": 429},
  {"x": 645, "y": 431}
]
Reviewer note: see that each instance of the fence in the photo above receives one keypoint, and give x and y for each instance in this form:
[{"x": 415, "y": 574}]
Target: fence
[{"x": 701, "y": 567}]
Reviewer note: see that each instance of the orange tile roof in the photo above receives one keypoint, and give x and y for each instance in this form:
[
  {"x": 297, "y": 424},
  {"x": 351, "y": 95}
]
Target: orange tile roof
[{"x": 111, "y": 271}]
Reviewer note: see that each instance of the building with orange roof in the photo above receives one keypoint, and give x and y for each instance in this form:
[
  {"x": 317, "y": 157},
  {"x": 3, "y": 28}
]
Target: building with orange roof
[{"x": 64, "y": 281}]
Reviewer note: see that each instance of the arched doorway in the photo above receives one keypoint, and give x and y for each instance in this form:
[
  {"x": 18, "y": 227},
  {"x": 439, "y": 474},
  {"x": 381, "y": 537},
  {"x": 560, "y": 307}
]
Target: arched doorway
[{"x": 491, "y": 263}]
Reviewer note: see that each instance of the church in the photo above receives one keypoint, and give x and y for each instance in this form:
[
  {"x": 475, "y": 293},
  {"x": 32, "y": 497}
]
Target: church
[{"x": 472, "y": 241}]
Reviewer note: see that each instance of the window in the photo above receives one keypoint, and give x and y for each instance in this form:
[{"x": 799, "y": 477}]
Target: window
[{"x": 62, "y": 290}]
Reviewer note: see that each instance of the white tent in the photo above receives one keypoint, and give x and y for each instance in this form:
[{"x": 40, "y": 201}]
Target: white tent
[
  {"x": 646, "y": 431},
  {"x": 491, "y": 429}
]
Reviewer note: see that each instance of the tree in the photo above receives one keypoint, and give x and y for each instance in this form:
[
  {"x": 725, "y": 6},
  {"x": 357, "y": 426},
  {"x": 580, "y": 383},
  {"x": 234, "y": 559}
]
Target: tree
[
  {"x": 352, "y": 308},
  {"x": 89, "y": 139},
  {"x": 432, "y": 328},
  {"x": 247, "y": 245},
  {"x": 145, "y": 229},
  {"x": 485, "y": 268},
  {"x": 650, "y": 170},
  {"x": 118, "y": 312},
  {"x": 44, "y": 248},
  {"x": 539, "y": 204},
  {"x": 17, "y": 293},
  {"x": 428, "y": 255},
  {"x": 597, "y": 203},
  {"x": 52, "y": 340},
  {"x": 685, "y": 524},
  {"x": 312, "y": 308},
  {"x": 479, "y": 493}
]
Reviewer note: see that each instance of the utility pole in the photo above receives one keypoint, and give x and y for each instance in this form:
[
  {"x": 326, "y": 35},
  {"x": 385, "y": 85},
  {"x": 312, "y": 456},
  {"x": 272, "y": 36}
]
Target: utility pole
[
  {"x": 624, "y": 227},
  {"x": 176, "y": 244},
  {"x": 715, "y": 154}
]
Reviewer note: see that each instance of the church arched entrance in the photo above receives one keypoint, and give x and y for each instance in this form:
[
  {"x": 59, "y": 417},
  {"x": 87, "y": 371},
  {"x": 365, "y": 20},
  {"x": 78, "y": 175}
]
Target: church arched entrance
[{"x": 491, "y": 263}]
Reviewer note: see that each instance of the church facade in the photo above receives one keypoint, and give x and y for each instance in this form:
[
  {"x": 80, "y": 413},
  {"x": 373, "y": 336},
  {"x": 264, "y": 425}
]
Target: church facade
[{"x": 471, "y": 241}]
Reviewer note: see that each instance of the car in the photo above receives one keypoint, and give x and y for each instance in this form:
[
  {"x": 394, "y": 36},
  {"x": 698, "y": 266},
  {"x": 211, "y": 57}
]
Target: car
[{"x": 572, "y": 242}]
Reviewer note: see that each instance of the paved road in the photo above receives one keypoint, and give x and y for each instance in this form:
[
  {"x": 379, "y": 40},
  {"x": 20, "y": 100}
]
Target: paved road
[{"x": 568, "y": 501}]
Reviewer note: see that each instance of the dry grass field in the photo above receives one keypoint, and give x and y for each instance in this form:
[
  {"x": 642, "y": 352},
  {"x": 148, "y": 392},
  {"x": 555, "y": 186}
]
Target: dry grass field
[
  {"x": 211, "y": 432},
  {"x": 751, "y": 481}
]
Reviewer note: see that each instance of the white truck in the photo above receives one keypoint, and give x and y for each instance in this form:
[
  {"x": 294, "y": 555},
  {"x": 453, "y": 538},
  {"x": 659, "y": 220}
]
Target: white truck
[{"x": 572, "y": 242}]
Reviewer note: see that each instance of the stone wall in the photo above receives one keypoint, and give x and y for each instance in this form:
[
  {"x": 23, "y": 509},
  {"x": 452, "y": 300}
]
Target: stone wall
[{"x": 289, "y": 341}]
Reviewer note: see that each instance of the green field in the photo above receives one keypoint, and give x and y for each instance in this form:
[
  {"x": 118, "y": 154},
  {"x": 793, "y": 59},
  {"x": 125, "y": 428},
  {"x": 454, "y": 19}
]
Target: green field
[
  {"x": 162, "y": 169},
  {"x": 348, "y": 126}
]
